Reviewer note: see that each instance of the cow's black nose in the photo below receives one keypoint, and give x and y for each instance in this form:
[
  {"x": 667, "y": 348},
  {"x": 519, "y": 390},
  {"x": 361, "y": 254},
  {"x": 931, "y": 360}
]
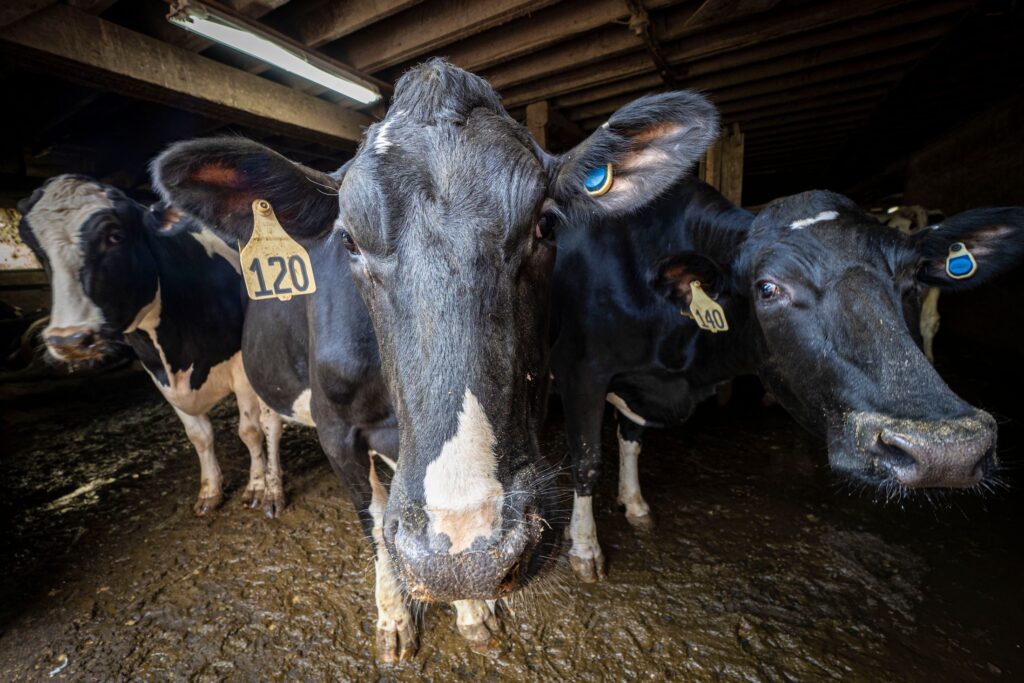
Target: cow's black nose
[{"x": 954, "y": 453}]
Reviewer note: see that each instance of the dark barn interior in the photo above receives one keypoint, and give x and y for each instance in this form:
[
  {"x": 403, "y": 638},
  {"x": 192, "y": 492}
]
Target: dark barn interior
[{"x": 760, "y": 567}]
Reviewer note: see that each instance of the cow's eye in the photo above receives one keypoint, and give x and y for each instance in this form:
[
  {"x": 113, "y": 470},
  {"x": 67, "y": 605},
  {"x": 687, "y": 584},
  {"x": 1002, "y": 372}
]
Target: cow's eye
[
  {"x": 115, "y": 237},
  {"x": 349, "y": 243},
  {"x": 545, "y": 228},
  {"x": 767, "y": 290}
]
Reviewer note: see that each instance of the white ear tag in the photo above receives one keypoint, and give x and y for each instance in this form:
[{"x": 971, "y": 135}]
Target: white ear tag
[
  {"x": 705, "y": 311},
  {"x": 274, "y": 265}
]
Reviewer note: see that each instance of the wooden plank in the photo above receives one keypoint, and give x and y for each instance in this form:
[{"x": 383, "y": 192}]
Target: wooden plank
[
  {"x": 616, "y": 76},
  {"x": 698, "y": 42},
  {"x": 16, "y": 10},
  {"x": 537, "y": 122},
  {"x": 92, "y": 6},
  {"x": 872, "y": 63},
  {"x": 329, "y": 20},
  {"x": 526, "y": 35},
  {"x": 81, "y": 47},
  {"x": 425, "y": 29},
  {"x": 713, "y": 12}
]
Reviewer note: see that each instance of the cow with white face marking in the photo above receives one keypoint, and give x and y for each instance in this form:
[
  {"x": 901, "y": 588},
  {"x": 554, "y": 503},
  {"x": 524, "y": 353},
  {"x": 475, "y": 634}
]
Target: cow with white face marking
[
  {"x": 428, "y": 331},
  {"x": 176, "y": 300},
  {"x": 821, "y": 301}
]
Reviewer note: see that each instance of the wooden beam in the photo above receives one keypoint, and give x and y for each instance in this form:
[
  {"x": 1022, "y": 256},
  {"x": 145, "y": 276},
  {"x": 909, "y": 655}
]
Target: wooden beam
[
  {"x": 16, "y": 10},
  {"x": 713, "y": 12},
  {"x": 809, "y": 115},
  {"x": 78, "y": 46},
  {"x": 537, "y": 122},
  {"x": 550, "y": 128},
  {"x": 722, "y": 168},
  {"x": 329, "y": 20},
  {"x": 699, "y": 42},
  {"x": 633, "y": 73},
  {"x": 92, "y": 6},
  {"x": 526, "y": 35},
  {"x": 425, "y": 29},
  {"x": 873, "y": 63}
]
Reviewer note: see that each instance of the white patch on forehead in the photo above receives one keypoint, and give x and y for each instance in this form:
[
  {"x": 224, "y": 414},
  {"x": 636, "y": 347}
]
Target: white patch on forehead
[
  {"x": 804, "y": 222},
  {"x": 381, "y": 143},
  {"x": 463, "y": 495},
  {"x": 56, "y": 221},
  {"x": 216, "y": 246},
  {"x": 621, "y": 406}
]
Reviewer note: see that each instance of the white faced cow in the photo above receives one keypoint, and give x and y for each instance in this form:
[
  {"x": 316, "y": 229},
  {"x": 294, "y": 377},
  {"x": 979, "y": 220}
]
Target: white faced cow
[
  {"x": 427, "y": 335},
  {"x": 176, "y": 300}
]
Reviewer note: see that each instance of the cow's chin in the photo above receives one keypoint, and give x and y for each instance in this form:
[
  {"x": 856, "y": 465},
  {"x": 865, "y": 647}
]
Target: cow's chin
[{"x": 81, "y": 358}]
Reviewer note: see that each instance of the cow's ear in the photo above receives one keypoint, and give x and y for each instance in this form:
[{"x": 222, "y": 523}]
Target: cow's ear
[
  {"x": 643, "y": 149},
  {"x": 970, "y": 248},
  {"x": 217, "y": 179},
  {"x": 671, "y": 277}
]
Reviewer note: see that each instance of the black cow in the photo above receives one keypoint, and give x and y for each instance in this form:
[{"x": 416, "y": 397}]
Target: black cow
[
  {"x": 442, "y": 253},
  {"x": 822, "y": 303},
  {"x": 176, "y": 300}
]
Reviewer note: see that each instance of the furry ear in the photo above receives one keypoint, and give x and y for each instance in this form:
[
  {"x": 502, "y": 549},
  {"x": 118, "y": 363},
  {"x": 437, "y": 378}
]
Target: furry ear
[
  {"x": 671, "y": 277},
  {"x": 164, "y": 219},
  {"x": 643, "y": 149},
  {"x": 217, "y": 179},
  {"x": 992, "y": 238}
]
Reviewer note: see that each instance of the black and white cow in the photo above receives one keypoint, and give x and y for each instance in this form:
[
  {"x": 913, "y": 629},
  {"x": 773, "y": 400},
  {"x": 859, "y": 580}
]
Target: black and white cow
[
  {"x": 176, "y": 300},
  {"x": 433, "y": 251},
  {"x": 822, "y": 303}
]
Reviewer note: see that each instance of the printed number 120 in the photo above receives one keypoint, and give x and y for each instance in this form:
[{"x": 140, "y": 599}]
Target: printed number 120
[{"x": 293, "y": 273}]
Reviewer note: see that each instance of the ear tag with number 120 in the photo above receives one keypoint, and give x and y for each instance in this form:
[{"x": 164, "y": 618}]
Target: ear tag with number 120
[
  {"x": 705, "y": 311},
  {"x": 274, "y": 265}
]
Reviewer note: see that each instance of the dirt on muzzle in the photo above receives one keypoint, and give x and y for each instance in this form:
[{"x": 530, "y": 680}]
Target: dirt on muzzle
[{"x": 762, "y": 565}]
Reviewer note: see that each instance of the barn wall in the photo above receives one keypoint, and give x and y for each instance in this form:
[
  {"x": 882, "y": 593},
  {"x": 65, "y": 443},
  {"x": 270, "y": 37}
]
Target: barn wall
[{"x": 977, "y": 164}]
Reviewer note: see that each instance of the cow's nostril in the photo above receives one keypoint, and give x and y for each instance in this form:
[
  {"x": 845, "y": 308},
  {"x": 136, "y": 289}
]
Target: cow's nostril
[
  {"x": 985, "y": 465},
  {"x": 895, "y": 451}
]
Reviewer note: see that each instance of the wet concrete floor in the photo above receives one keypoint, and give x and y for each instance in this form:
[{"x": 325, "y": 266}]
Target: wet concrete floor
[{"x": 761, "y": 568}]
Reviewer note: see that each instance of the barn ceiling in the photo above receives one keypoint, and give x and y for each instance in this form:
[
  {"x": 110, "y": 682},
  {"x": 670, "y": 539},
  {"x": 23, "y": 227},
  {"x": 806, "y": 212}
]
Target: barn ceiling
[{"x": 100, "y": 86}]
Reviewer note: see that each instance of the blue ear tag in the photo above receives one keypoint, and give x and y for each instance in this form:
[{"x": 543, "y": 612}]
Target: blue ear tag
[
  {"x": 960, "y": 264},
  {"x": 598, "y": 180}
]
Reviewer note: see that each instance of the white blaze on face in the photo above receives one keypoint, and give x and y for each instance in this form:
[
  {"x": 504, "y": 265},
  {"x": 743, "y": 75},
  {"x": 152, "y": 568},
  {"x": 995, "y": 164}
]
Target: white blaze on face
[
  {"x": 804, "y": 222},
  {"x": 463, "y": 495},
  {"x": 56, "y": 221}
]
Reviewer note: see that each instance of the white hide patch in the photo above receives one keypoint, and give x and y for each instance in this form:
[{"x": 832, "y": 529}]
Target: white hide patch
[
  {"x": 179, "y": 392},
  {"x": 57, "y": 220},
  {"x": 216, "y": 246},
  {"x": 804, "y": 222},
  {"x": 463, "y": 495},
  {"x": 300, "y": 409},
  {"x": 621, "y": 406},
  {"x": 381, "y": 143}
]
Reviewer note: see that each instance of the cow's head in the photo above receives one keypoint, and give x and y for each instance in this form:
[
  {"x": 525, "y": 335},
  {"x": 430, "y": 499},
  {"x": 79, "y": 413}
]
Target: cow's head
[
  {"x": 835, "y": 297},
  {"x": 450, "y": 214},
  {"x": 92, "y": 240}
]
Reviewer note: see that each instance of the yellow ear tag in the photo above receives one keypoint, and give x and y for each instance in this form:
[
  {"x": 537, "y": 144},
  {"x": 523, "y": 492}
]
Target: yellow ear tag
[
  {"x": 274, "y": 265},
  {"x": 705, "y": 311}
]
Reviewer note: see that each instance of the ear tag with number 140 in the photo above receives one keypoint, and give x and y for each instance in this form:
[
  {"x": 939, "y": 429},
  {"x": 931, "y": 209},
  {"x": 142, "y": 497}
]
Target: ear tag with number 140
[
  {"x": 274, "y": 265},
  {"x": 705, "y": 311}
]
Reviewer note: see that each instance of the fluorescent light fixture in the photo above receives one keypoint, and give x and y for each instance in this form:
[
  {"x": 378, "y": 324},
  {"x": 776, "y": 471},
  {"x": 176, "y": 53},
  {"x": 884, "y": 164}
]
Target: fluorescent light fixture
[
  {"x": 893, "y": 209},
  {"x": 222, "y": 29}
]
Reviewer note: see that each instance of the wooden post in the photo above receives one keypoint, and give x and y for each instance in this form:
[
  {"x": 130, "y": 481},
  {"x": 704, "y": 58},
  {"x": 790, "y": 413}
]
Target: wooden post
[
  {"x": 537, "y": 116},
  {"x": 722, "y": 167}
]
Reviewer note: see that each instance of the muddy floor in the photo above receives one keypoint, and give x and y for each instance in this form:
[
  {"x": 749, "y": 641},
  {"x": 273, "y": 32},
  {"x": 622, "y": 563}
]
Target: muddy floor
[{"x": 762, "y": 566}]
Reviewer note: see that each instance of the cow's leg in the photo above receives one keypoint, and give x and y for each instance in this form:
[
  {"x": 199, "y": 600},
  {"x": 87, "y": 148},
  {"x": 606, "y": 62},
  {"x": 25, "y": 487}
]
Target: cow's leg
[
  {"x": 352, "y": 461},
  {"x": 396, "y": 631},
  {"x": 583, "y": 403},
  {"x": 200, "y": 433},
  {"x": 273, "y": 494},
  {"x": 638, "y": 513},
  {"x": 477, "y": 623},
  {"x": 251, "y": 434}
]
